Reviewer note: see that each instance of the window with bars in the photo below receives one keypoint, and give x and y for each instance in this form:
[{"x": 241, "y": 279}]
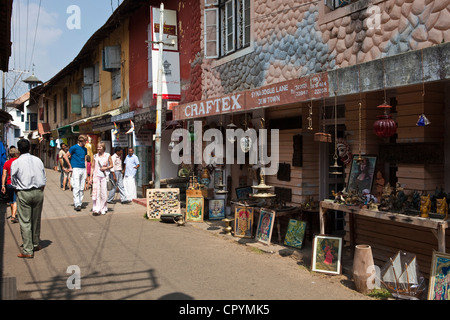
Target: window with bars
[
  {"x": 334, "y": 4},
  {"x": 226, "y": 27}
]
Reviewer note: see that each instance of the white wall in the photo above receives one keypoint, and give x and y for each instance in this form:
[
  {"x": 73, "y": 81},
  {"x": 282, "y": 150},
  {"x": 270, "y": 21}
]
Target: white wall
[{"x": 168, "y": 168}]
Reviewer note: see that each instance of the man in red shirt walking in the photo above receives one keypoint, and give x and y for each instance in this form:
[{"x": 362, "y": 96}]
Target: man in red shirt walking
[{"x": 6, "y": 183}]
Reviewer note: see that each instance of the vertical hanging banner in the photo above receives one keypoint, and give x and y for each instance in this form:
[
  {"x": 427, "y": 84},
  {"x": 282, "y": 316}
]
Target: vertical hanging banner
[{"x": 171, "y": 57}]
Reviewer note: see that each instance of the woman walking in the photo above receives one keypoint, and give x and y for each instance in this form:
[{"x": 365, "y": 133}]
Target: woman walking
[
  {"x": 7, "y": 188},
  {"x": 100, "y": 172}
]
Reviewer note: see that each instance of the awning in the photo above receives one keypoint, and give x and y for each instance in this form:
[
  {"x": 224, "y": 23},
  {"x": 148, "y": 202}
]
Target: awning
[
  {"x": 5, "y": 117},
  {"x": 43, "y": 128},
  {"x": 109, "y": 113}
]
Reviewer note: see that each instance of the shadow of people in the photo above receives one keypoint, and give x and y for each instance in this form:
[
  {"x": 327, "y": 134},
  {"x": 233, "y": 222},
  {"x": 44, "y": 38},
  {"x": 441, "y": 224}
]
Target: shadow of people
[{"x": 176, "y": 296}]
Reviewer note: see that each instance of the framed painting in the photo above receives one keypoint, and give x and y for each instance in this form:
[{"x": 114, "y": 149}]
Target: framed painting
[
  {"x": 295, "y": 233},
  {"x": 243, "y": 222},
  {"x": 265, "y": 226},
  {"x": 216, "y": 209},
  {"x": 218, "y": 178},
  {"x": 361, "y": 174},
  {"x": 439, "y": 286},
  {"x": 194, "y": 209},
  {"x": 244, "y": 192},
  {"x": 327, "y": 253}
]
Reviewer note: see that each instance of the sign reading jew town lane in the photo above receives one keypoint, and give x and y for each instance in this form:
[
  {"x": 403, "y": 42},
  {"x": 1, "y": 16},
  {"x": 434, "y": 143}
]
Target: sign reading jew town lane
[
  {"x": 282, "y": 93},
  {"x": 288, "y": 92}
]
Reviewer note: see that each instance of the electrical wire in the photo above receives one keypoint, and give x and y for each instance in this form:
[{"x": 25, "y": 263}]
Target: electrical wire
[{"x": 35, "y": 33}]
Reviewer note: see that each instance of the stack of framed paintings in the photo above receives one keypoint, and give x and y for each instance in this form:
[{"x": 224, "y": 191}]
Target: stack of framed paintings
[
  {"x": 163, "y": 201},
  {"x": 327, "y": 252},
  {"x": 295, "y": 233},
  {"x": 243, "y": 222},
  {"x": 195, "y": 205},
  {"x": 216, "y": 209},
  {"x": 265, "y": 226}
]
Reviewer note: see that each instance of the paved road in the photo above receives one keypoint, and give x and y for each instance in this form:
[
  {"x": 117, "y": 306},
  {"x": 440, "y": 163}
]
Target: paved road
[{"x": 122, "y": 255}]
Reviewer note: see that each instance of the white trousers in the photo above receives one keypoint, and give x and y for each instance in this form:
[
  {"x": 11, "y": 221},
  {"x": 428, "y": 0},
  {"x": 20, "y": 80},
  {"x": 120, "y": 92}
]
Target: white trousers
[
  {"x": 129, "y": 184},
  {"x": 78, "y": 182}
]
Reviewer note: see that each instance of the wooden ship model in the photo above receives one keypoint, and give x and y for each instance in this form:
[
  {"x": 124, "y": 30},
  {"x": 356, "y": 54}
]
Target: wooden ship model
[{"x": 401, "y": 277}]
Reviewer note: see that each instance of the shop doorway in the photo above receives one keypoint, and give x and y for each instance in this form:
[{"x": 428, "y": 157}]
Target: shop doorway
[
  {"x": 329, "y": 181},
  {"x": 144, "y": 174}
]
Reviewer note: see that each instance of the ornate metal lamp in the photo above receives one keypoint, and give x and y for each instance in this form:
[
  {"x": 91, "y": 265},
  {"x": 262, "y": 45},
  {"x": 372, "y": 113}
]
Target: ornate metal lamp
[
  {"x": 385, "y": 126},
  {"x": 335, "y": 167},
  {"x": 262, "y": 188}
]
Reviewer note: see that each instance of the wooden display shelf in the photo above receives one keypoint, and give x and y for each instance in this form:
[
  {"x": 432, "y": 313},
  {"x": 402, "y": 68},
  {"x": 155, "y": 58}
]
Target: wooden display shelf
[{"x": 436, "y": 226}]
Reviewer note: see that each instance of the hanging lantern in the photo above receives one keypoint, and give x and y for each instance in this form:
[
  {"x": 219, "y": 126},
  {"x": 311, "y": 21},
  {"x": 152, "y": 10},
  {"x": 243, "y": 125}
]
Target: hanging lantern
[
  {"x": 423, "y": 121},
  {"x": 385, "y": 126}
]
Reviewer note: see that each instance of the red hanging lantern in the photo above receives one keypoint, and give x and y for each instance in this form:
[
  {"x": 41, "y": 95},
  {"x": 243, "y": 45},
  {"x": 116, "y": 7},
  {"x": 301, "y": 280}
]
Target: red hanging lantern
[{"x": 385, "y": 126}]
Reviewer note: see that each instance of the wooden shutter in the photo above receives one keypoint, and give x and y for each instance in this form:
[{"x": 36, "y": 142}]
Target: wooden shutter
[
  {"x": 88, "y": 75},
  {"x": 116, "y": 84},
  {"x": 111, "y": 58},
  {"x": 75, "y": 102},
  {"x": 211, "y": 32},
  {"x": 87, "y": 96}
]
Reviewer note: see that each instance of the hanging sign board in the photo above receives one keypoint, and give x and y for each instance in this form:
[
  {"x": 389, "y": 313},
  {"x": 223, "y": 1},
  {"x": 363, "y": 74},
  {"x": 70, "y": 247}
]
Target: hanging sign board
[
  {"x": 171, "y": 88},
  {"x": 283, "y": 93}
]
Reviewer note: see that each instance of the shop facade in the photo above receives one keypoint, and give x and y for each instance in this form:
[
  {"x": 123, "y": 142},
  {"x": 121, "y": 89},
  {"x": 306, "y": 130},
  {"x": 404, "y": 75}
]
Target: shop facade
[{"x": 327, "y": 71}]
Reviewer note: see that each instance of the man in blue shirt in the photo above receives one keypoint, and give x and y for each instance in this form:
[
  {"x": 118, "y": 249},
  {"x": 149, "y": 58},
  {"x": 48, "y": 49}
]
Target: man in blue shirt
[
  {"x": 77, "y": 163},
  {"x": 131, "y": 164}
]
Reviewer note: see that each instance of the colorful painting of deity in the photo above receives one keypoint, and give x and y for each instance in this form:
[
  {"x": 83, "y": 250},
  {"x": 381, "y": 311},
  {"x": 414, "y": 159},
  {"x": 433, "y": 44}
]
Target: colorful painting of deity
[
  {"x": 194, "y": 209},
  {"x": 243, "y": 222},
  {"x": 439, "y": 287},
  {"x": 295, "y": 233},
  {"x": 216, "y": 209},
  {"x": 327, "y": 252},
  {"x": 265, "y": 226}
]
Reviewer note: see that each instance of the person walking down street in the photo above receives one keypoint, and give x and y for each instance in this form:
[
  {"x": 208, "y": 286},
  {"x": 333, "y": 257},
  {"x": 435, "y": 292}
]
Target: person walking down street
[
  {"x": 100, "y": 172},
  {"x": 77, "y": 165},
  {"x": 64, "y": 166},
  {"x": 29, "y": 179},
  {"x": 116, "y": 177},
  {"x": 7, "y": 188},
  {"x": 131, "y": 164}
]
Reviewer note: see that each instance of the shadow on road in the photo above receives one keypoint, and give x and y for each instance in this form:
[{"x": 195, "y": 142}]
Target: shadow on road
[{"x": 95, "y": 286}]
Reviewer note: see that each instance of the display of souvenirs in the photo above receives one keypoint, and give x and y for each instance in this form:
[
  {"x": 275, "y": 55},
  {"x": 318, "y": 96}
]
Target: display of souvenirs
[
  {"x": 425, "y": 206},
  {"x": 163, "y": 201}
]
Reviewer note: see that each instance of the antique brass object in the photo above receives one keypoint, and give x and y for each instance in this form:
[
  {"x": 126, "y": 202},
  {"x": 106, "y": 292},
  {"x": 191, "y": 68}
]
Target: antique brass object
[{"x": 227, "y": 228}]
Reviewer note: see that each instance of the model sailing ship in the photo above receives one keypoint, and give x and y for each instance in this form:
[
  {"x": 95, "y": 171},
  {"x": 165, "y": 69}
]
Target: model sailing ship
[{"x": 400, "y": 276}]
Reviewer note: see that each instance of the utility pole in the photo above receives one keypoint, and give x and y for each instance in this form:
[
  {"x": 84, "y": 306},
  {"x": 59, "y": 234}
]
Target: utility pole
[
  {"x": 159, "y": 100},
  {"x": 157, "y": 135}
]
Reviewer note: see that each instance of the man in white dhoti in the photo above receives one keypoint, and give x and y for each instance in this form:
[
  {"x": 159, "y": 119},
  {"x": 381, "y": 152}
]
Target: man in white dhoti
[{"x": 131, "y": 165}]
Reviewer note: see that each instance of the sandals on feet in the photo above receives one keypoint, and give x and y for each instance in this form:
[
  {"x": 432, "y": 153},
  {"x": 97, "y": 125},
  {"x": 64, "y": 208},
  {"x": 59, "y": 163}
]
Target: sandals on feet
[{"x": 14, "y": 220}]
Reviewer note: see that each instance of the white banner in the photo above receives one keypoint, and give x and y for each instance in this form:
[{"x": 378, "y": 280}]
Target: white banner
[{"x": 171, "y": 88}]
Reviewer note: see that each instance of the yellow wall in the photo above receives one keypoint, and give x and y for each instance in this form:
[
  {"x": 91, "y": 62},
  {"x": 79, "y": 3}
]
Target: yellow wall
[{"x": 74, "y": 80}]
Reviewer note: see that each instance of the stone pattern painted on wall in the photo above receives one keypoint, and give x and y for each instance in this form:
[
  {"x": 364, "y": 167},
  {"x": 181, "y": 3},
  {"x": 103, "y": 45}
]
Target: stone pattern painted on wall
[{"x": 289, "y": 41}]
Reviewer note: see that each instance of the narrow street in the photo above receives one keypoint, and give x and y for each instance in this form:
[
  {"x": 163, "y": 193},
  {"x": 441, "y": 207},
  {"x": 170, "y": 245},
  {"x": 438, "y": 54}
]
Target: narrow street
[{"x": 122, "y": 255}]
